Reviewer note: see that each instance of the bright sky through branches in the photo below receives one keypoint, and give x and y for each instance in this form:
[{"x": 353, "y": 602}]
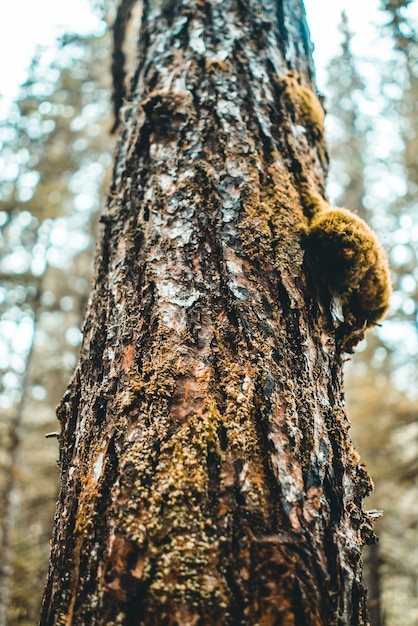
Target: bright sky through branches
[
  {"x": 323, "y": 18},
  {"x": 25, "y": 23}
]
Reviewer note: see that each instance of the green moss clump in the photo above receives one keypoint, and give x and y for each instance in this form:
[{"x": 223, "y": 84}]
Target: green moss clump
[
  {"x": 351, "y": 262},
  {"x": 271, "y": 210},
  {"x": 215, "y": 65},
  {"x": 302, "y": 107},
  {"x": 313, "y": 204},
  {"x": 308, "y": 109}
]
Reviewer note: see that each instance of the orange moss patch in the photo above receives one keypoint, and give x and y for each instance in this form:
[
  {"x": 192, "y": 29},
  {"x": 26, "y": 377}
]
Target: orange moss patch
[
  {"x": 355, "y": 263},
  {"x": 305, "y": 104}
]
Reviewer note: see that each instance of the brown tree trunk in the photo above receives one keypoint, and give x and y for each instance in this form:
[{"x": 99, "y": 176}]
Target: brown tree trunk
[
  {"x": 372, "y": 567},
  {"x": 207, "y": 473}
]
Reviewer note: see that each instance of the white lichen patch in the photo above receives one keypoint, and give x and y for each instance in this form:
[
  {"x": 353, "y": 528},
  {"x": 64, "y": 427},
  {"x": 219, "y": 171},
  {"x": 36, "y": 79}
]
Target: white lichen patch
[
  {"x": 196, "y": 39},
  {"x": 234, "y": 267},
  {"x": 149, "y": 194},
  {"x": 98, "y": 466},
  {"x": 228, "y": 109},
  {"x": 219, "y": 57},
  {"x": 228, "y": 215},
  {"x": 231, "y": 197},
  {"x": 182, "y": 231},
  {"x": 177, "y": 294},
  {"x": 166, "y": 183},
  {"x": 179, "y": 24},
  {"x": 244, "y": 481}
]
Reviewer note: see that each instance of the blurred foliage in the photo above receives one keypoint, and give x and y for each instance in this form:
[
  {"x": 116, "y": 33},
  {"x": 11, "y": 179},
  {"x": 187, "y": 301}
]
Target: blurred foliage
[
  {"x": 55, "y": 154},
  {"x": 373, "y": 129},
  {"x": 346, "y": 126}
]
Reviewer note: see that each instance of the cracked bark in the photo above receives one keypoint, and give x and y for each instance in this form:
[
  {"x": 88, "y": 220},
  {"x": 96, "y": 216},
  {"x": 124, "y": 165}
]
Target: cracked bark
[{"x": 207, "y": 472}]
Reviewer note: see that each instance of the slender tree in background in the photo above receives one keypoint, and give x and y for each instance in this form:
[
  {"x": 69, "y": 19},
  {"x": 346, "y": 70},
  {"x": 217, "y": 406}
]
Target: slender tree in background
[
  {"x": 381, "y": 394},
  {"x": 55, "y": 152},
  {"x": 398, "y": 562},
  {"x": 350, "y": 123},
  {"x": 207, "y": 473},
  {"x": 348, "y": 150}
]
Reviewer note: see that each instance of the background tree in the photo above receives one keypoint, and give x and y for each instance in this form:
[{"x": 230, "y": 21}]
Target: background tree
[
  {"x": 348, "y": 124},
  {"x": 54, "y": 158},
  {"x": 381, "y": 392},
  {"x": 207, "y": 473}
]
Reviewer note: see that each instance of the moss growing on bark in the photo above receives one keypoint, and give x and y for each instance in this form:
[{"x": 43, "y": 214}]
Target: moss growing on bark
[
  {"x": 355, "y": 264},
  {"x": 349, "y": 262},
  {"x": 303, "y": 101},
  {"x": 270, "y": 212}
]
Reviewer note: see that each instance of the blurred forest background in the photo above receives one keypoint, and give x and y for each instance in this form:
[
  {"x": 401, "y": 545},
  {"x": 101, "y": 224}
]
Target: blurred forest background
[{"x": 55, "y": 159}]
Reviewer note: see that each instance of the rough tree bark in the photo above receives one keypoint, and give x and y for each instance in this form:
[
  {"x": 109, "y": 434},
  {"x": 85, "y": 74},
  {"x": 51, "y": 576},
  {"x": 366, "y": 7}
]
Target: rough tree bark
[{"x": 207, "y": 472}]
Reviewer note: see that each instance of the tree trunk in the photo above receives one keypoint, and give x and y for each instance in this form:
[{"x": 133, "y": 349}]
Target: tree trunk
[
  {"x": 372, "y": 567},
  {"x": 207, "y": 473}
]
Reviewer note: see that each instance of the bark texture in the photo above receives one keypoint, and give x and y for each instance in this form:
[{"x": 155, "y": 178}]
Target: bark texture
[{"x": 207, "y": 473}]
